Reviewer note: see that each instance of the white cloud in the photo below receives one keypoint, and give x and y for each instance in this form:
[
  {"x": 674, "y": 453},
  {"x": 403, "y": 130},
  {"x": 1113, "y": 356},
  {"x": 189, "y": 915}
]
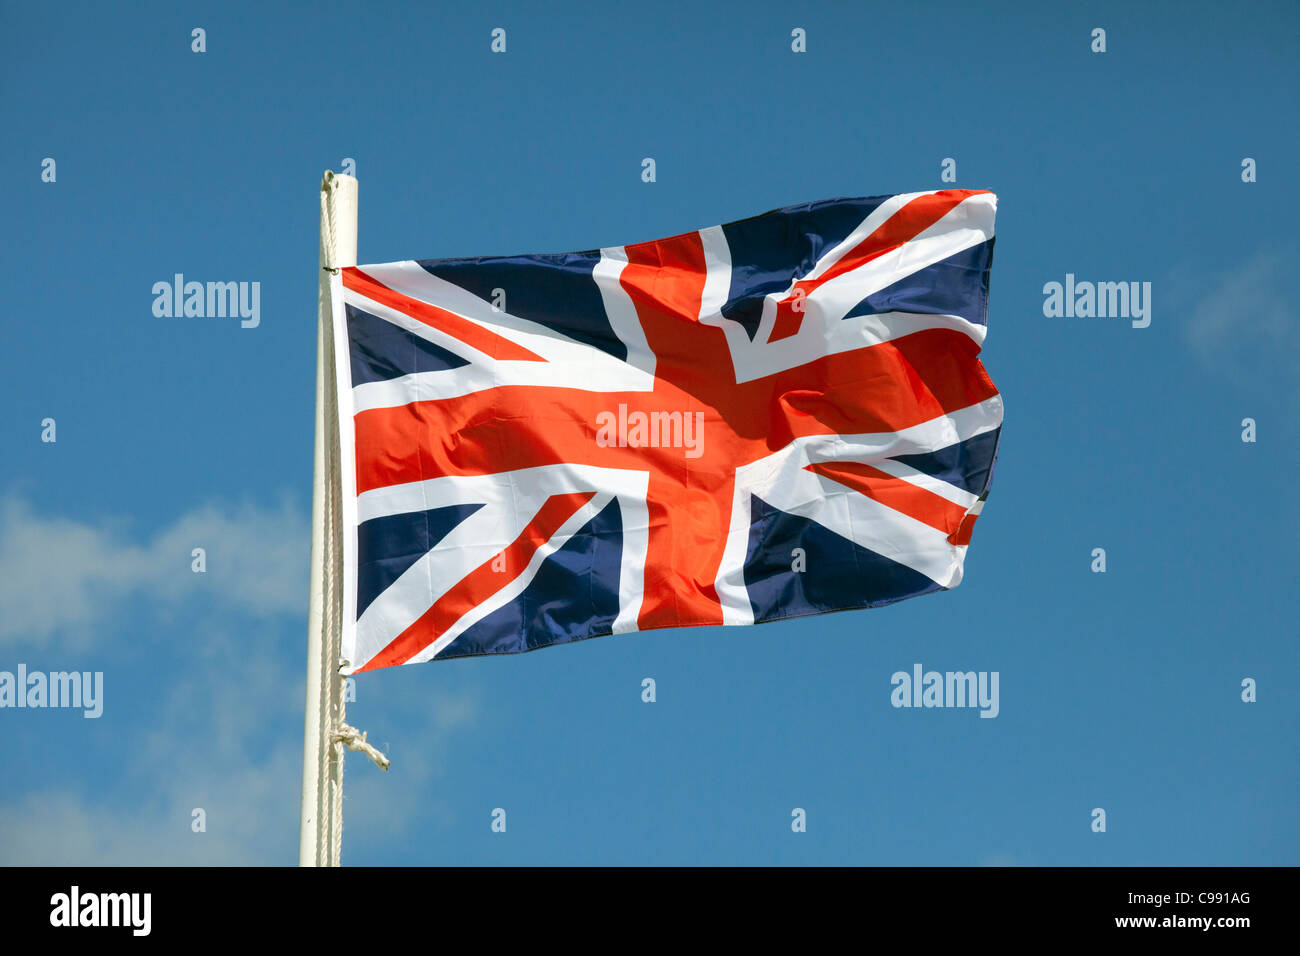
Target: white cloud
[
  {"x": 225, "y": 736},
  {"x": 59, "y": 576},
  {"x": 249, "y": 823},
  {"x": 1240, "y": 322},
  {"x": 379, "y": 808},
  {"x": 220, "y": 726},
  {"x": 218, "y": 743}
]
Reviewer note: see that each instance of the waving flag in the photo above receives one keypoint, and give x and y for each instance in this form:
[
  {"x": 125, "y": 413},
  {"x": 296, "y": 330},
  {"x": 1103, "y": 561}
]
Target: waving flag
[{"x": 780, "y": 416}]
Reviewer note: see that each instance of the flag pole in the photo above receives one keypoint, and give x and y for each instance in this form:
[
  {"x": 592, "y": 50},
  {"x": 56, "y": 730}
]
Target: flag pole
[{"x": 320, "y": 835}]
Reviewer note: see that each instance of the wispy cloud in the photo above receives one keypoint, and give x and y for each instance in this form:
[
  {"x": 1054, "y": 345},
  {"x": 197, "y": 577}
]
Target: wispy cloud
[
  {"x": 216, "y": 726},
  {"x": 227, "y": 740},
  {"x": 1241, "y": 321},
  {"x": 223, "y": 737},
  {"x": 59, "y": 576},
  {"x": 380, "y": 808}
]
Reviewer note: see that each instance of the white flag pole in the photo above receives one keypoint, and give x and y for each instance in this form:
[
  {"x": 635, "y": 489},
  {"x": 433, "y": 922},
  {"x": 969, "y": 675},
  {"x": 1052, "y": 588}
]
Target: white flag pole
[{"x": 322, "y": 760}]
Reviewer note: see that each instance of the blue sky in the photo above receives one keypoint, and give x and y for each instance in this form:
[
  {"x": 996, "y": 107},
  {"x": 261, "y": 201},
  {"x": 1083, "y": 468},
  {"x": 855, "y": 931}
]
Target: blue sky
[{"x": 1118, "y": 690}]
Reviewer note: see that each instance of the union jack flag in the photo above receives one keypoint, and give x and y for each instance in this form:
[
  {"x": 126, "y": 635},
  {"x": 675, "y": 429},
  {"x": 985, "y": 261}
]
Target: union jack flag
[{"x": 780, "y": 416}]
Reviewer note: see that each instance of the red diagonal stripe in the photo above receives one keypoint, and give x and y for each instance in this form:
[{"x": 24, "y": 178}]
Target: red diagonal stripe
[
  {"x": 914, "y": 218},
  {"x": 489, "y": 343},
  {"x": 892, "y": 492},
  {"x": 481, "y": 583},
  {"x": 962, "y": 535}
]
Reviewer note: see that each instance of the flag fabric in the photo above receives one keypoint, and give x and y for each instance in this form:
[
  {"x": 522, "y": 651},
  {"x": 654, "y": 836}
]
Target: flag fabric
[{"x": 781, "y": 416}]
